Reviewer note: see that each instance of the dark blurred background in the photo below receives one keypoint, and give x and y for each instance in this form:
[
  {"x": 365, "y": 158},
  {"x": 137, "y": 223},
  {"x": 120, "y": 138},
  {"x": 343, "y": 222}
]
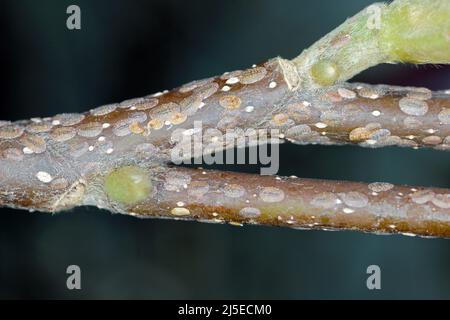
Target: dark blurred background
[{"x": 132, "y": 48}]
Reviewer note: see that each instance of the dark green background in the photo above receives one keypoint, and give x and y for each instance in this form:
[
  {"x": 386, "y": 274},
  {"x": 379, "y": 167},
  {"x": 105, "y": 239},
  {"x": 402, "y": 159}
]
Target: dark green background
[{"x": 133, "y": 48}]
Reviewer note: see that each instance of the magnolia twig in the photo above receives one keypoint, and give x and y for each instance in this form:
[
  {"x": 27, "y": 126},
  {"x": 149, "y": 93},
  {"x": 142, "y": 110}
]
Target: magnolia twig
[
  {"x": 414, "y": 31},
  {"x": 238, "y": 198},
  {"x": 118, "y": 156}
]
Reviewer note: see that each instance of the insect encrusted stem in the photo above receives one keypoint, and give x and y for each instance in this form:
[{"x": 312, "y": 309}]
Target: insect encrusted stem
[
  {"x": 239, "y": 198},
  {"x": 118, "y": 156}
]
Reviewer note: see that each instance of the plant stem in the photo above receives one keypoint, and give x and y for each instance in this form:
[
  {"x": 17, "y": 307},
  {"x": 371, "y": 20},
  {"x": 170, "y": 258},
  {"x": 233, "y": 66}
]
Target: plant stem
[
  {"x": 118, "y": 156},
  {"x": 413, "y": 31}
]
